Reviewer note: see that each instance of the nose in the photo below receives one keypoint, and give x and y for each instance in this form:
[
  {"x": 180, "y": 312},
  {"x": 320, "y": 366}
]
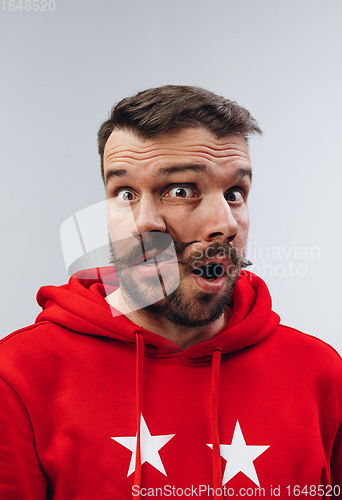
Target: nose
[
  {"x": 219, "y": 222},
  {"x": 148, "y": 218}
]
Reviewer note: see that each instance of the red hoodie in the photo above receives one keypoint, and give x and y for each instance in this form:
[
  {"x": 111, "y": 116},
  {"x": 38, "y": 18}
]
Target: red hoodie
[{"x": 96, "y": 408}]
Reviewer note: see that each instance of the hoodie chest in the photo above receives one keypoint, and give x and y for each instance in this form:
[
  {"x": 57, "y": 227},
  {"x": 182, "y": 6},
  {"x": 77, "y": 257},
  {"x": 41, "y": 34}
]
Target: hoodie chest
[{"x": 267, "y": 422}]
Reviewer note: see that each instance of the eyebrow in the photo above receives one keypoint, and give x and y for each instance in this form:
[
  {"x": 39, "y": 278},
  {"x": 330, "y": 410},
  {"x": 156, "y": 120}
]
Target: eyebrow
[
  {"x": 116, "y": 172},
  {"x": 180, "y": 168},
  {"x": 241, "y": 172},
  {"x": 121, "y": 172},
  {"x": 198, "y": 168}
]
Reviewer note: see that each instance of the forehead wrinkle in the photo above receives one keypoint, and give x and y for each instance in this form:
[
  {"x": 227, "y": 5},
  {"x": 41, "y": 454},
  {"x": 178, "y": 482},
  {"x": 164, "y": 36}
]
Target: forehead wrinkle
[
  {"x": 169, "y": 157},
  {"x": 153, "y": 151},
  {"x": 188, "y": 140},
  {"x": 174, "y": 155}
]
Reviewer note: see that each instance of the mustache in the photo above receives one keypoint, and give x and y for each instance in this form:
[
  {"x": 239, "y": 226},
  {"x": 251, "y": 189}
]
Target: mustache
[
  {"x": 215, "y": 249},
  {"x": 137, "y": 250},
  {"x": 156, "y": 241}
]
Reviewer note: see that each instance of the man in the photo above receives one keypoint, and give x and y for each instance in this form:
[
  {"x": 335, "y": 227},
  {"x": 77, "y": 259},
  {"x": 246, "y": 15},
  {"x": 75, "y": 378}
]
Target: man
[{"x": 173, "y": 377}]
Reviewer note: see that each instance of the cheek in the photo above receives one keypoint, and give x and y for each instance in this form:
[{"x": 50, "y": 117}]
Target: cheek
[
  {"x": 182, "y": 225},
  {"x": 245, "y": 223},
  {"x": 121, "y": 222},
  {"x": 242, "y": 219},
  {"x": 240, "y": 241}
]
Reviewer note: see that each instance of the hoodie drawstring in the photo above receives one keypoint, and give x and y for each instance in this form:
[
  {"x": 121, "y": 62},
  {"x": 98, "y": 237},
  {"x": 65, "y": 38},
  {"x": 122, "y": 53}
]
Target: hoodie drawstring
[
  {"x": 217, "y": 467},
  {"x": 140, "y": 354},
  {"x": 215, "y": 378}
]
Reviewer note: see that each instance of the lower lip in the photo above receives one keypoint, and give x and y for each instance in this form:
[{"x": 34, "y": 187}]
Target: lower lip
[{"x": 210, "y": 286}]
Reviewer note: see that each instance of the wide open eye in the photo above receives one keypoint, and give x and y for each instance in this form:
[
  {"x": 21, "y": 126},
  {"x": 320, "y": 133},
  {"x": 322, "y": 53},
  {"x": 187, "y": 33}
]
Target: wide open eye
[
  {"x": 181, "y": 192},
  {"x": 125, "y": 195},
  {"x": 234, "y": 196}
]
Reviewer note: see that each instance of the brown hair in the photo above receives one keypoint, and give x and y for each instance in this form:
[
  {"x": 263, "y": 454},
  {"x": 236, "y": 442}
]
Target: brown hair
[{"x": 165, "y": 109}]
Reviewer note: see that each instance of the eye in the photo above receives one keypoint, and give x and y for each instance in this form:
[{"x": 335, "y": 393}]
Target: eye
[
  {"x": 181, "y": 192},
  {"x": 234, "y": 196},
  {"x": 125, "y": 195}
]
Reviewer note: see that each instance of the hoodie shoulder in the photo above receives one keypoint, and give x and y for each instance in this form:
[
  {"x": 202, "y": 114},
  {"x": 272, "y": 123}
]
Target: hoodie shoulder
[
  {"x": 308, "y": 343},
  {"x": 309, "y": 356},
  {"x": 24, "y": 347},
  {"x": 17, "y": 335}
]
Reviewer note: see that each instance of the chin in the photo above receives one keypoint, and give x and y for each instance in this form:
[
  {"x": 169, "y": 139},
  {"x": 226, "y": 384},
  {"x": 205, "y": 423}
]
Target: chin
[{"x": 192, "y": 309}]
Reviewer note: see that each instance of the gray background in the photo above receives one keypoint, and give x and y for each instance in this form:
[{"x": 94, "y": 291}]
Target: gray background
[{"x": 63, "y": 70}]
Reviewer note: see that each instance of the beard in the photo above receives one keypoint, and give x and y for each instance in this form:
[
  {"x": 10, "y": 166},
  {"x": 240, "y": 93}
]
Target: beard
[
  {"x": 168, "y": 296},
  {"x": 201, "y": 310}
]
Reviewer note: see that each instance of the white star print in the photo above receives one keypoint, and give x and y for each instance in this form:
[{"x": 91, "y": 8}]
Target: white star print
[
  {"x": 240, "y": 457},
  {"x": 149, "y": 446}
]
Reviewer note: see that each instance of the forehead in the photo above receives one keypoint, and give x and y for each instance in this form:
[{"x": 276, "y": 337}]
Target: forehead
[{"x": 126, "y": 150}]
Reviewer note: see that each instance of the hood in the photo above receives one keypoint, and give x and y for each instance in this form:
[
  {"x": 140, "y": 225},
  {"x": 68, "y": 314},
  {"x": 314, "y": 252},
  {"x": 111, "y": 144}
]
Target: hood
[{"x": 80, "y": 306}]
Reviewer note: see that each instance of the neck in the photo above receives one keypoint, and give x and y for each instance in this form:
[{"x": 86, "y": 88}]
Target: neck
[{"x": 183, "y": 336}]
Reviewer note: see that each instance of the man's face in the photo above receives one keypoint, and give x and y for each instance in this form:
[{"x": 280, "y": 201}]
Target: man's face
[{"x": 193, "y": 187}]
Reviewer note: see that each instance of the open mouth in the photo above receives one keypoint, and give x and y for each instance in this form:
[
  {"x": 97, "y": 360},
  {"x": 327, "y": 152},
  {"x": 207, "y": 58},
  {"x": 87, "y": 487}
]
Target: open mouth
[{"x": 209, "y": 272}]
